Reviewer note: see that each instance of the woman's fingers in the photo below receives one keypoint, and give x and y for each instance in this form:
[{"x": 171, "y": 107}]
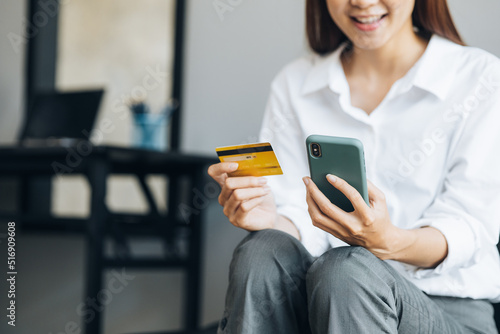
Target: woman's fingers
[
  {"x": 219, "y": 171},
  {"x": 323, "y": 203},
  {"x": 233, "y": 183},
  {"x": 245, "y": 182},
  {"x": 351, "y": 193},
  {"x": 362, "y": 227},
  {"x": 243, "y": 210},
  {"x": 240, "y": 196},
  {"x": 324, "y": 222}
]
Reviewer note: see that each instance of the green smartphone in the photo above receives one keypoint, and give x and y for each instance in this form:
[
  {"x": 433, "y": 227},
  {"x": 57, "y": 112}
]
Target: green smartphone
[{"x": 340, "y": 156}]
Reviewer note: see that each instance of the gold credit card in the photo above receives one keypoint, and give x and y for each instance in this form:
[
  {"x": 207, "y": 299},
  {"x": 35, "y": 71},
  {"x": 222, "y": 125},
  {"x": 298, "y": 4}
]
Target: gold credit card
[{"x": 253, "y": 159}]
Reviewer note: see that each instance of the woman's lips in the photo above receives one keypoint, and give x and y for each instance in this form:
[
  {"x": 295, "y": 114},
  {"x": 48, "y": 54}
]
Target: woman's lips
[{"x": 368, "y": 23}]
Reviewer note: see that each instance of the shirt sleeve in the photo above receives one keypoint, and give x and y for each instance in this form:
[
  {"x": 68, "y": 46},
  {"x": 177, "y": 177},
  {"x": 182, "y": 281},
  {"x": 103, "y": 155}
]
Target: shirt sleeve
[
  {"x": 281, "y": 128},
  {"x": 467, "y": 211}
]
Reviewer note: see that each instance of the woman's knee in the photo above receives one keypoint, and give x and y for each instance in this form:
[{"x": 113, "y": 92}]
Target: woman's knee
[
  {"x": 268, "y": 254},
  {"x": 356, "y": 289},
  {"x": 343, "y": 268}
]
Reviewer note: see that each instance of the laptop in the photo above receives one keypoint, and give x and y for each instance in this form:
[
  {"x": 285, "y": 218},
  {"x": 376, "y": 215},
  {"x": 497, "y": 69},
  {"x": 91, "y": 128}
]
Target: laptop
[{"x": 60, "y": 118}]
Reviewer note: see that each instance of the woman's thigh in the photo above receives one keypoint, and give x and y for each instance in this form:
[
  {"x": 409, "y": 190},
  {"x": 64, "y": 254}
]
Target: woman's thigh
[
  {"x": 266, "y": 292},
  {"x": 352, "y": 288},
  {"x": 474, "y": 315}
]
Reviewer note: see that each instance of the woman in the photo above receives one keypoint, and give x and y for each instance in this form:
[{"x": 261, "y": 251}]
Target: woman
[{"x": 394, "y": 74}]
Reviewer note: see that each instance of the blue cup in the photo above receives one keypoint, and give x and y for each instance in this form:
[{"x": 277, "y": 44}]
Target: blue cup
[{"x": 150, "y": 131}]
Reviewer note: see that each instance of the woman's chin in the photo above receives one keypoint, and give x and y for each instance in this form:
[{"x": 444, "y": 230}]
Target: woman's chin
[{"x": 368, "y": 44}]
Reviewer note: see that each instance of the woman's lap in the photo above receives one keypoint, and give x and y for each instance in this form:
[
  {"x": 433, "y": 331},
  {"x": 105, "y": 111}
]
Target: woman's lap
[{"x": 276, "y": 286}]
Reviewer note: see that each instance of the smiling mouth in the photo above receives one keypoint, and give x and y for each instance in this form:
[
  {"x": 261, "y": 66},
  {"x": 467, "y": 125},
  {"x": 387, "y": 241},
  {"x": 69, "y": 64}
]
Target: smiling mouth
[{"x": 368, "y": 19}]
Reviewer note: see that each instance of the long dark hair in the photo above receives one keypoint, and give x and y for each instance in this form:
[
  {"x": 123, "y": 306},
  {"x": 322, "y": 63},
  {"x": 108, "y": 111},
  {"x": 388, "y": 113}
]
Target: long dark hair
[{"x": 429, "y": 16}]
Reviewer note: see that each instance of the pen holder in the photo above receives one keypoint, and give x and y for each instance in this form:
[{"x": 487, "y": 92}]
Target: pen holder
[{"x": 149, "y": 131}]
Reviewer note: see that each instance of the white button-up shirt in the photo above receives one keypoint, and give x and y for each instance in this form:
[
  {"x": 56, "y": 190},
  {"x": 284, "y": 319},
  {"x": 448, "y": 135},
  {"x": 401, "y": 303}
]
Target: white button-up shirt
[{"x": 432, "y": 146}]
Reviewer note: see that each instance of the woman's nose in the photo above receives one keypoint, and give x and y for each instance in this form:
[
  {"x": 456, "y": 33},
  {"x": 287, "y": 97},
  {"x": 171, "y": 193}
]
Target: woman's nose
[{"x": 364, "y": 3}]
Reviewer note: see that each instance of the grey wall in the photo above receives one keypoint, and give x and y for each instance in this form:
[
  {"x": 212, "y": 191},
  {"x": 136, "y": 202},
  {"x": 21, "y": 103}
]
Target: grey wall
[
  {"x": 11, "y": 69},
  {"x": 229, "y": 66},
  {"x": 478, "y": 23}
]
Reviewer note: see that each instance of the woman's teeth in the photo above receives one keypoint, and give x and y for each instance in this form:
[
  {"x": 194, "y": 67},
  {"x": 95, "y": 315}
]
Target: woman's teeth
[{"x": 368, "y": 19}]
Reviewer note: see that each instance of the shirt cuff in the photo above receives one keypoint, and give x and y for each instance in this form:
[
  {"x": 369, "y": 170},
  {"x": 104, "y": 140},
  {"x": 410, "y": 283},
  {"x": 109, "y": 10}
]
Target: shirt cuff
[
  {"x": 461, "y": 242},
  {"x": 314, "y": 239}
]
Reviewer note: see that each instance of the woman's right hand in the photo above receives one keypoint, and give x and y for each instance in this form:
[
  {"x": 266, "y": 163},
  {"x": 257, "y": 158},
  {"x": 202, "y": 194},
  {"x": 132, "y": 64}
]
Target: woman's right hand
[{"x": 248, "y": 202}]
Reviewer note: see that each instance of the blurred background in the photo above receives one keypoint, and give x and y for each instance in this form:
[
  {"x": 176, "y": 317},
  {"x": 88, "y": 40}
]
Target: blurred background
[{"x": 231, "y": 51}]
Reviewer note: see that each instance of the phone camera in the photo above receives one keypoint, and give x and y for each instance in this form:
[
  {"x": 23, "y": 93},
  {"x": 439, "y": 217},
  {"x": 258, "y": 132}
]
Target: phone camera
[{"x": 316, "y": 150}]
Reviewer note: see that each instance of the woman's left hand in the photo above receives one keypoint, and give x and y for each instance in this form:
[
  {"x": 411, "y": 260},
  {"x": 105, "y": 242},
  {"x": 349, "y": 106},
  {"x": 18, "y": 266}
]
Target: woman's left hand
[{"x": 367, "y": 226}]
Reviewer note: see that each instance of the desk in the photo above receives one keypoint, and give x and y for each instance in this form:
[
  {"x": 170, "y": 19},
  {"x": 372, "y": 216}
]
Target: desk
[{"x": 97, "y": 163}]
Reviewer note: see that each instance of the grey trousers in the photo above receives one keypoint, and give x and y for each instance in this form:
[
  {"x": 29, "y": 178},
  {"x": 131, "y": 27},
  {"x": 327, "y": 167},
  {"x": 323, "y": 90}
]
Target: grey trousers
[{"x": 276, "y": 286}]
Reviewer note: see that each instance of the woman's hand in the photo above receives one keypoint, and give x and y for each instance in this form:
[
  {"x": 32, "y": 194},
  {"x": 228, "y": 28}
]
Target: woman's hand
[
  {"x": 367, "y": 226},
  {"x": 247, "y": 201}
]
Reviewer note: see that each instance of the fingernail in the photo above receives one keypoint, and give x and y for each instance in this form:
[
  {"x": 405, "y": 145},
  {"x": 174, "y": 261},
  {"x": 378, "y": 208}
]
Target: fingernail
[
  {"x": 234, "y": 165},
  {"x": 331, "y": 178},
  {"x": 262, "y": 180},
  {"x": 306, "y": 180}
]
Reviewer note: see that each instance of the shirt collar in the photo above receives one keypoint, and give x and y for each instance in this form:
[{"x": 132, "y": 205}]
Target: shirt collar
[
  {"x": 431, "y": 75},
  {"x": 327, "y": 71}
]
